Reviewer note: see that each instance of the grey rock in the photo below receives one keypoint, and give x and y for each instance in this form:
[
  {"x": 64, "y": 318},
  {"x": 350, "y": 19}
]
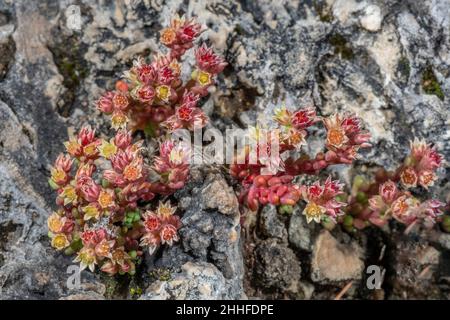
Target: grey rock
[
  {"x": 86, "y": 296},
  {"x": 29, "y": 268},
  {"x": 277, "y": 266},
  {"x": 211, "y": 229},
  {"x": 415, "y": 265},
  {"x": 219, "y": 195},
  {"x": 300, "y": 232},
  {"x": 197, "y": 281},
  {"x": 444, "y": 240},
  {"x": 372, "y": 18},
  {"x": 270, "y": 223}
]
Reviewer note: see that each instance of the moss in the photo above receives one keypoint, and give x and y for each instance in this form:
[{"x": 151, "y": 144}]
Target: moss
[
  {"x": 323, "y": 11},
  {"x": 68, "y": 57},
  {"x": 161, "y": 274},
  {"x": 446, "y": 223},
  {"x": 111, "y": 286},
  {"x": 404, "y": 67},
  {"x": 430, "y": 84},
  {"x": 135, "y": 292},
  {"x": 341, "y": 46}
]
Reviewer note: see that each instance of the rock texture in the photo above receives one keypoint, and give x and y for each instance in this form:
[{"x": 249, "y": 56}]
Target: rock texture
[
  {"x": 271, "y": 224},
  {"x": 416, "y": 267},
  {"x": 333, "y": 261},
  {"x": 386, "y": 60},
  {"x": 301, "y": 234},
  {"x": 197, "y": 281},
  {"x": 276, "y": 265},
  {"x": 210, "y": 232}
]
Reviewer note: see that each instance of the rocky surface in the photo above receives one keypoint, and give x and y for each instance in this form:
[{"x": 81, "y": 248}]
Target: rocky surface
[
  {"x": 388, "y": 61},
  {"x": 276, "y": 265},
  {"x": 333, "y": 261},
  {"x": 301, "y": 234},
  {"x": 271, "y": 224},
  {"x": 210, "y": 233},
  {"x": 196, "y": 281},
  {"x": 416, "y": 267}
]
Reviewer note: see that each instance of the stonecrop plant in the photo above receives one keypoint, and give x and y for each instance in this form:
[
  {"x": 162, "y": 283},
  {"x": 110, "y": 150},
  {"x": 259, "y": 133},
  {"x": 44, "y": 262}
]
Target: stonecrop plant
[
  {"x": 153, "y": 96},
  {"x": 113, "y": 201},
  {"x": 344, "y": 138},
  {"x": 393, "y": 195},
  {"x": 106, "y": 190},
  {"x": 327, "y": 202}
]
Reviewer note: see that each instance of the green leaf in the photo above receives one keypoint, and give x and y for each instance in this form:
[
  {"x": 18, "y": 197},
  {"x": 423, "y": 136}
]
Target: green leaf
[
  {"x": 286, "y": 209},
  {"x": 105, "y": 183},
  {"x": 52, "y": 184},
  {"x": 150, "y": 130}
]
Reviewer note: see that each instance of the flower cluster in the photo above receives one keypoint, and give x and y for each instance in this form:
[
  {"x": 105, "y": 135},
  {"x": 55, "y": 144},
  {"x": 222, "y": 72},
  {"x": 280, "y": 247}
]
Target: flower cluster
[
  {"x": 105, "y": 187},
  {"x": 99, "y": 247},
  {"x": 321, "y": 200},
  {"x": 388, "y": 197},
  {"x": 187, "y": 115},
  {"x": 180, "y": 35},
  {"x": 161, "y": 226},
  {"x": 172, "y": 166},
  {"x": 401, "y": 205},
  {"x": 100, "y": 214},
  {"x": 293, "y": 125},
  {"x": 344, "y": 138},
  {"x": 153, "y": 96},
  {"x": 420, "y": 166}
]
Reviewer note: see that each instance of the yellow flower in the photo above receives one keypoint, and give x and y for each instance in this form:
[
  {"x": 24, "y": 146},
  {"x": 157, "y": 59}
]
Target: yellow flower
[
  {"x": 314, "y": 212},
  {"x": 427, "y": 178},
  {"x": 90, "y": 149},
  {"x": 60, "y": 241},
  {"x": 107, "y": 149},
  {"x": 168, "y": 36},
  {"x": 175, "y": 66},
  {"x": 119, "y": 121},
  {"x": 69, "y": 194},
  {"x": 91, "y": 212},
  {"x": 283, "y": 116},
  {"x": 294, "y": 137},
  {"x": 408, "y": 177},
  {"x": 203, "y": 78},
  {"x": 72, "y": 147},
  {"x": 58, "y": 175},
  {"x": 336, "y": 137},
  {"x": 165, "y": 210},
  {"x": 55, "y": 223},
  {"x": 103, "y": 249},
  {"x": 132, "y": 172},
  {"x": 105, "y": 199},
  {"x": 87, "y": 258},
  {"x": 119, "y": 256},
  {"x": 163, "y": 93}
]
